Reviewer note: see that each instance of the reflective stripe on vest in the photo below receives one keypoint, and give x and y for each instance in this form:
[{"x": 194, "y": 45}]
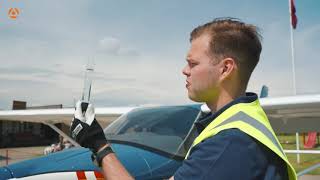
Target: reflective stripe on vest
[
  {"x": 250, "y": 119},
  {"x": 241, "y": 116}
]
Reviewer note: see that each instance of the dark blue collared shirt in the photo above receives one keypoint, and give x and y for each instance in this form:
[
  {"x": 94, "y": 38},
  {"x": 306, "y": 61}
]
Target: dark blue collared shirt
[{"x": 231, "y": 154}]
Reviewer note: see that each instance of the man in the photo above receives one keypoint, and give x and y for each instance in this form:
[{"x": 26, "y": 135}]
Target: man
[{"x": 236, "y": 140}]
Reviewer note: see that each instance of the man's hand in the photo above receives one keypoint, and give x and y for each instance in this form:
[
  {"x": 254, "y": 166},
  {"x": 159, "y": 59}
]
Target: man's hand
[{"x": 85, "y": 128}]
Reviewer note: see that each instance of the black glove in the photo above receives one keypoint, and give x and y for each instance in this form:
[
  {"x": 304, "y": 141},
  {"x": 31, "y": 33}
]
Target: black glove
[{"x": 85, "y": 129}]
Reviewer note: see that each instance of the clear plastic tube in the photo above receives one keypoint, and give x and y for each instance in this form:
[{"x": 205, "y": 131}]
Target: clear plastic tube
[{"x": 88, "y": 81}]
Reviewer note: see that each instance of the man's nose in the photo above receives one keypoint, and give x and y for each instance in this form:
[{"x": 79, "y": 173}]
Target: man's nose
[{"x": 186, "y": 70}]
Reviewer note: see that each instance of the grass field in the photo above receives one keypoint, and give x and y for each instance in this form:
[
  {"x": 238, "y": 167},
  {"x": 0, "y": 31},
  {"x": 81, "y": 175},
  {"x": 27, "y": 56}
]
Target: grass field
[{"x": 306, "y": 160}]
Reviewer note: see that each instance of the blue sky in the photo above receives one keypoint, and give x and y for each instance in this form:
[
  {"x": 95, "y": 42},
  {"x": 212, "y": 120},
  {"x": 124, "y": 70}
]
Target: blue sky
[{"x": 139, "y": 48}]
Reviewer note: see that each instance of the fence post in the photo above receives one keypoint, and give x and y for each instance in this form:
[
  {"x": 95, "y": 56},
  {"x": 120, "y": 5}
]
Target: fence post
[
  {"x": 7, "y": 156},
  {"x": 297, "y": 147}
]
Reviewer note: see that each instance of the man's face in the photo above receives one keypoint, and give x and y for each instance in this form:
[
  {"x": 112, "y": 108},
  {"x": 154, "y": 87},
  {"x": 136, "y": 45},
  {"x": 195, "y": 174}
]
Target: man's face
[{"x": 202, "y": 71}]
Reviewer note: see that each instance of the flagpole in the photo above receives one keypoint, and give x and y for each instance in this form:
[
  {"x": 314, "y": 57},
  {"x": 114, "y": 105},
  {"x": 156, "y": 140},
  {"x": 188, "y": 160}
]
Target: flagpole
[
  {"x": 292, "y": 52},
  {"x": 293, "y": 74}
]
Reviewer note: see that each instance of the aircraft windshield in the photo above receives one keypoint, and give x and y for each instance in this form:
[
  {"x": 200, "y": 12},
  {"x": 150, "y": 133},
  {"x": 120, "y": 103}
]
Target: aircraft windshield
[{"x": 162, "y": 129}]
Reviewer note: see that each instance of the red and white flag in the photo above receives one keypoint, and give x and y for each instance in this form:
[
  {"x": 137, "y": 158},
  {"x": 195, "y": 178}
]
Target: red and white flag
[{"x": 294, "y": 19}]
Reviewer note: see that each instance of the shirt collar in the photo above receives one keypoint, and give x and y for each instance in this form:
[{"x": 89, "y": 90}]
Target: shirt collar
[{"x": 208, "y": 118}]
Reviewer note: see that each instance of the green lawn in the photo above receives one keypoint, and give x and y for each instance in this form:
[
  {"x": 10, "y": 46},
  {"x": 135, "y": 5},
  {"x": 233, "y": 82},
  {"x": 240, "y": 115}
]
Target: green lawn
[{"x": 306, "y": 160}]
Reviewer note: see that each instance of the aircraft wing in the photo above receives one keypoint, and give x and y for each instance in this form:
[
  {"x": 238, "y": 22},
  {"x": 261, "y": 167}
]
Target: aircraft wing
[
  {"x": 52, "y": 116},
  {"x": 286, "y": 114},
  {"x": 65, "y": 115},
  {"x": 293, "y": 113}
]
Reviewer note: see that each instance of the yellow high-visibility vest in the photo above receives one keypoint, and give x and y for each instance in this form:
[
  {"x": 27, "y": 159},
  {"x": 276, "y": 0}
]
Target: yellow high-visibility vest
[{"x": 252, "y": 120}]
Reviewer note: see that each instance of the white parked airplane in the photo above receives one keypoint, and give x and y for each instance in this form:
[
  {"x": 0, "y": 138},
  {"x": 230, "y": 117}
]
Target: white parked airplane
[{"x": 287, "y": 115}]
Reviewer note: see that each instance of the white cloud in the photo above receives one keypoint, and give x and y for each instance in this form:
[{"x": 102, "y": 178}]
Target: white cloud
[
  {"x": 113, "y": 46},
  {"x": 110, "y": 45}
]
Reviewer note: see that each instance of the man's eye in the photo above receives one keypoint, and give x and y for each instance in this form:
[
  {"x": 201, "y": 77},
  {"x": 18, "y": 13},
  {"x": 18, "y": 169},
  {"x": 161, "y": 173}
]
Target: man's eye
[{"x": 192, "y": 64}]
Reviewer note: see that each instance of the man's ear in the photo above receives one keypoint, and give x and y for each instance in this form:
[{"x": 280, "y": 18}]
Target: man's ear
[{"x": 228, "y": 66}]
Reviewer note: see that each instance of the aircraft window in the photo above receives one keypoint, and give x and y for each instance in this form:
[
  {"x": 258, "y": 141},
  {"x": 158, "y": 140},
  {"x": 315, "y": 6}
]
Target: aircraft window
[{"x": 161, "y": 128}]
